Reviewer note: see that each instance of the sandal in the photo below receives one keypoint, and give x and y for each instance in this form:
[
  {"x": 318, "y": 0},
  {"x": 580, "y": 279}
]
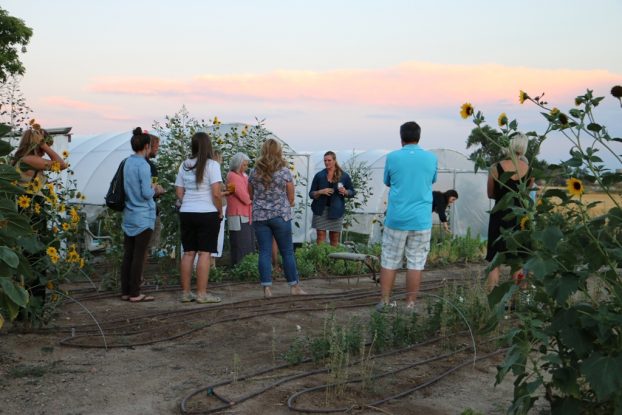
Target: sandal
[{"x": 141, "y": 298}]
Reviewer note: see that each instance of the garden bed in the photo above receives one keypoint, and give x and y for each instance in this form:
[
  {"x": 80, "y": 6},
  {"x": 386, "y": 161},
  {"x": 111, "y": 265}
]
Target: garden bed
[{"x": 159, "y": 353}]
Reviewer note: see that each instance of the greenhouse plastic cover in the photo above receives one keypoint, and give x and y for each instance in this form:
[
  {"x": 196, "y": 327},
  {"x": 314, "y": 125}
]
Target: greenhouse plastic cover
[{"x": 94, "y": 160}]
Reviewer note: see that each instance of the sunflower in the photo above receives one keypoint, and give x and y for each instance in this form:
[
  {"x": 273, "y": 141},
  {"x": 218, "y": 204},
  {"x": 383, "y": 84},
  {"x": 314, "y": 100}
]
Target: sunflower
[
  {"x": 53, "y": 254},
  {"x": 522, "y": 96},
  {"x": 466, "y": 110},
  {"x": 37, "y": 208},
  {"x": 23, "y": 201},
  {"x": 65, "y": 154},
  {"x": 65, "y": 226},
  {"x": 216, "y": 121},
  {"x": 554, "y": 111},
  {"x": 245, "y": 131},
  {"x": 50, "y": 285},
  {"x": 55, "y": 167},
  {"x": 81, "y": 262},
  {"x": 523, "y": 222},
  {"x": 502, "y": 120},
  {"x": 55, "y": 229},
  {"x": 575, "y": 187},
  {"x": 616, "y": 91}
]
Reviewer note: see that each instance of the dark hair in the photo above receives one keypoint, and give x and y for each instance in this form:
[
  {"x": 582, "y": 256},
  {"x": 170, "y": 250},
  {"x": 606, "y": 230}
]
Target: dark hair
[
  {"x": 450, "y": 193},
  {"x": 410, "y": 132},
  {"x": 202, "y": 151},
  {"x": 139, "y": 139}
]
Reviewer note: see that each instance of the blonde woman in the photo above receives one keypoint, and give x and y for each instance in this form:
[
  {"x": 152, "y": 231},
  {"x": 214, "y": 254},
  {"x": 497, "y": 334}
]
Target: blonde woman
[
  {"x": 271, "y": 188},
  {"x": 516, "y": 163},
  {"x": 329, "y": 189}
]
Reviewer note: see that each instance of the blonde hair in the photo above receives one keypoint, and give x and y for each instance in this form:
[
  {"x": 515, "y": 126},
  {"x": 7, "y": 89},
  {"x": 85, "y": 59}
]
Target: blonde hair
[
  {"x": 518, "y": 145},
  {"x": 270, "y": 161},
  {"x": 30, "y": 143},
  {"x": 338, "y": 170}
]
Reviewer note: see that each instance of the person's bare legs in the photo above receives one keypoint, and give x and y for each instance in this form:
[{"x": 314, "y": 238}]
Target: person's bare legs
[
  {"x": 203, "y": 266},
  {"x": 493, "y": 279},
  {"x": 387, "y": 279},
  {"x": 413, "y": 281},
  {"x": 187, "y": 262},
  {"x": 334, "y": 238},
  {"x": 321, "y": 236}
]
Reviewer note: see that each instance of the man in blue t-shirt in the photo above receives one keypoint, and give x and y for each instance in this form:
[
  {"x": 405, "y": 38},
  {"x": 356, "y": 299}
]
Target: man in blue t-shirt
[{"x": 410, "y": 173}]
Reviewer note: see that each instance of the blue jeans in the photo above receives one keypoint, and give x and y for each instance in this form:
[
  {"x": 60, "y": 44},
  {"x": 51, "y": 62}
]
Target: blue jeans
[{"x": 281, "y": 231}]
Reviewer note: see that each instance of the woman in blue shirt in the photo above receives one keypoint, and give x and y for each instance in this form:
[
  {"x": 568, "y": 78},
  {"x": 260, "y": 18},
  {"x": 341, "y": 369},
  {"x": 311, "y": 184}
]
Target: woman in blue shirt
[
  {"x": 329, "y": 189},
  {"x": 138, "y": 216}
]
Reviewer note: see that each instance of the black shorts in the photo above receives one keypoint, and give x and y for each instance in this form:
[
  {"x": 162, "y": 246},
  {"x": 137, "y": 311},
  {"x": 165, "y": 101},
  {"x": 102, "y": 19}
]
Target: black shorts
[{"x": 199, "y": 231}]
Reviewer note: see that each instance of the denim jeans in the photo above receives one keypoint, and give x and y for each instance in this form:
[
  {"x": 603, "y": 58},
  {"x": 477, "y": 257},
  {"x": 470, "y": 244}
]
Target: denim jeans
[{"x": 281, "y": 230}]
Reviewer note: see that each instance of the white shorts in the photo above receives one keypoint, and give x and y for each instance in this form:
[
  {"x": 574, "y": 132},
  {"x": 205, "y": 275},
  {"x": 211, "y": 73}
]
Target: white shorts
[{"x": 414, "y": 244}]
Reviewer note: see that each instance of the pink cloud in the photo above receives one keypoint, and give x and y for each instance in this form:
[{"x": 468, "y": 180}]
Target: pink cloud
[
  {"x": 411, "y": 84},
  {"x": 104, "y": 111}
]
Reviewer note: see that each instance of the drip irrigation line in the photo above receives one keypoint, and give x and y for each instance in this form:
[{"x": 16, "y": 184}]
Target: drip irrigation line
[
  {"x": 244, "y": 304},
  {"x": 69, "y": 341},
  {"x": 292, "y": 399},
  {"x": 251, "y": 303},
  {"x": 228, "y": 403}
]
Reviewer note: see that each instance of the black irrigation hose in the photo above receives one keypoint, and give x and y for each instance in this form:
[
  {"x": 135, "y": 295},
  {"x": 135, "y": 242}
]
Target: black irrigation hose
[
  {"x": 229, "y": 403},
  {"x": 237, "y": 305},
  {"x": 292, "y": 398},
  {"x": 68, "y": 341}
]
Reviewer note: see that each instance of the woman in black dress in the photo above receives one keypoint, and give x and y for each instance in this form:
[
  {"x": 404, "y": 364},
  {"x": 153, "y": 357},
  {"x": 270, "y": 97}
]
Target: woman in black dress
[{"x": 517, "y": 164}]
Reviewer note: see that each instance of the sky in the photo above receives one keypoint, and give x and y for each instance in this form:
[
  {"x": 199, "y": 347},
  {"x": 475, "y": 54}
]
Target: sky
[{"x": 323, "y": 75}]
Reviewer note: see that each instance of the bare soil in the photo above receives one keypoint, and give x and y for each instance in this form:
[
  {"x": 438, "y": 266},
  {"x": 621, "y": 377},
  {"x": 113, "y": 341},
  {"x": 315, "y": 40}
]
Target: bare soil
[{"x": 158, "y": 353}]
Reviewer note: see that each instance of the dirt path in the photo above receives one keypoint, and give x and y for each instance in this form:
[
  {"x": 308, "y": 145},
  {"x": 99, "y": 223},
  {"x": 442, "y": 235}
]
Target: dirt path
[{"x": 44, "y": 374}]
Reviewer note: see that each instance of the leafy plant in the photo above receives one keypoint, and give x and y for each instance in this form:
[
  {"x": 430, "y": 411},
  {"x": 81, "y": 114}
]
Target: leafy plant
[{"x": 568, "y": 341}]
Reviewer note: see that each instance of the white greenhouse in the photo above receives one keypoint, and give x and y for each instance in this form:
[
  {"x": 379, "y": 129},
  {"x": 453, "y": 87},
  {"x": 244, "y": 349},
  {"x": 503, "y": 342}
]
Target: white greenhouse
[{"x": 94, "y": 160}]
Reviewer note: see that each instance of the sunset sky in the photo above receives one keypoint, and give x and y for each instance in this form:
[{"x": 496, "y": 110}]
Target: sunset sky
[{"x": 324, "y": 75}]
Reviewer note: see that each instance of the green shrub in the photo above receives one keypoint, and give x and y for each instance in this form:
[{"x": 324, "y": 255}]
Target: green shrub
[{"x": 247, "y": 269}]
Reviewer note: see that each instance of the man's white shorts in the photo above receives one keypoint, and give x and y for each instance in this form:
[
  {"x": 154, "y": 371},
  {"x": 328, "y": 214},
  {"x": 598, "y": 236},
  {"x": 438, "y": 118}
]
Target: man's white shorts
[{"x": 414, "y": 244}]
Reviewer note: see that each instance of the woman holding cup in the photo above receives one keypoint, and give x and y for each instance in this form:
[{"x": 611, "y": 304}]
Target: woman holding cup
[{"x": 329, "y": 189}]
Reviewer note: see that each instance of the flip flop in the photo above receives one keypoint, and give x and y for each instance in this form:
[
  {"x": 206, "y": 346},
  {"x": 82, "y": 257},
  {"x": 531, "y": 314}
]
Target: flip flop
[{"x": 141, "y": 299}]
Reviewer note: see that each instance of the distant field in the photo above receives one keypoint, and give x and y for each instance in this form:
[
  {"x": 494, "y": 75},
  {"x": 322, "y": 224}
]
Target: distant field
[{"x": 606, "y": 204}]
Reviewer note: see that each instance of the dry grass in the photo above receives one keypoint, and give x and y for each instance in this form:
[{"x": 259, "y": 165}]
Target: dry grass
[
  {"x": 606, "y": 202},
  {"x": 596, "y": 196}
]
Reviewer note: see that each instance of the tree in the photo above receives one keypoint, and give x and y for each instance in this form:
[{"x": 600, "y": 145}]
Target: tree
[
  {"x": 491, "y": 143},
  {"x": 14, "y": 111},
  {"x": 14, "y": 34}
]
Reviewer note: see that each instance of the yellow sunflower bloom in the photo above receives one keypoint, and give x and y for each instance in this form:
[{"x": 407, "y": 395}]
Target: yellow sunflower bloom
[
  {"x": 522, "y": 96},
  {"x": 55, "y": 229},
  {"x": 50, "y": 285},
  {"x": 575, "y": 187},
  {"x": 554, "y": 111},
  {"x": 55, "y": 167},
  {"x": 53, "y": 254},
  {"x": 65, "y": 226},
  {"x": 466, "y": 110},
  {"x": 502, "y": 120},
  {"x": 216, "y": 121},
  {"x": 523, "y": 222},
  {"x": 37, "y": 208},
  {"x": 65, "y": 154},
  {"x": 23, "y": 201}
]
